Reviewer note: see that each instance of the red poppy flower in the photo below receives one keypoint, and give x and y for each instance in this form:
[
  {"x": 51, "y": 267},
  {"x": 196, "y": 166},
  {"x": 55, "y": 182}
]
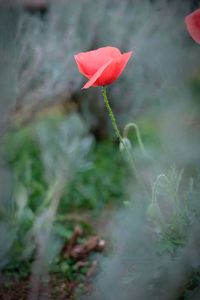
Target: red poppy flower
[
  {"x": 102, "y": 66},
  {"x": 192, "y": 22}
]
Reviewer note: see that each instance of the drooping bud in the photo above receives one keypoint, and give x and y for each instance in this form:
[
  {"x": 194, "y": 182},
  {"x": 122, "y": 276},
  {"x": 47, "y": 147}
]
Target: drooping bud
[{"x": 125, "y": 144}]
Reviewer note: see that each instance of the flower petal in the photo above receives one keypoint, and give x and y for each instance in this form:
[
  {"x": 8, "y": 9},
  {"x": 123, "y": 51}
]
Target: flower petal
[
  {"x": 91, "y": 61},
  {"x": 113, "y": 70},
  {"x": 93, "y": 79},
  {"x": 192, "y": 22}
]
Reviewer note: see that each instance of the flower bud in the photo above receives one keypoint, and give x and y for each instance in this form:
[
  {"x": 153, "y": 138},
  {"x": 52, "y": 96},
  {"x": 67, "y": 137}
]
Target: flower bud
[{"x": 125, "y": 143}]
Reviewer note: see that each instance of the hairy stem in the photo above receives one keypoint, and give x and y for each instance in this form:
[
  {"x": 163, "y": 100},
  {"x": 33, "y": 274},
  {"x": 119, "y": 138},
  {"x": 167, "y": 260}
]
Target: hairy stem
[
  {"x": 121, "y": 140},
  {"x": 111, "y": 115}
]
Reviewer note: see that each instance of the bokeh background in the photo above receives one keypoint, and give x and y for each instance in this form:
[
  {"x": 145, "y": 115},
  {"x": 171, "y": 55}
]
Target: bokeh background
[{"x": 60, "y": 163}]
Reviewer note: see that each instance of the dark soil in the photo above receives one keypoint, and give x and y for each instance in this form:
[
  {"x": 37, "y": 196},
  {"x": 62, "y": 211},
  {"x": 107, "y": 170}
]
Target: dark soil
[{"x": 56, "y": 289}]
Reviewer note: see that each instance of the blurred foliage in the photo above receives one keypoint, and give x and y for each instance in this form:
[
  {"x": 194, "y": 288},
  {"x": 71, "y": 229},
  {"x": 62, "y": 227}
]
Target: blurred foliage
[
  {"x": 94, "y": 177},
  {"x": 156, "y": 253},
  {"x": 100, "y": 181},
  {"x": 171, "y": 209}
]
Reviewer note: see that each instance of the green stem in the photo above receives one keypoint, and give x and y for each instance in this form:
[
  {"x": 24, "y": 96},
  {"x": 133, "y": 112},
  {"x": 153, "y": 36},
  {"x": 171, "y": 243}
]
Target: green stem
[
  {"x": 111, "y": 115},
  {"x": 121, "y": 140}
]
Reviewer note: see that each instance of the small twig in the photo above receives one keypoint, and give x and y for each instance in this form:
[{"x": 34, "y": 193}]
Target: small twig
[{"x": 67, "y": 249}]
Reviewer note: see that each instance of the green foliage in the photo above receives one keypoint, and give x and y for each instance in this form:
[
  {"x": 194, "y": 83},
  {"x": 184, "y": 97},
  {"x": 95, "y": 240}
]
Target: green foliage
[
  {"x": 23, "y": 156},
  {"x": 172, "y": 209},
  {"x": 39, "y": 156},
  {"x": 102, "y": 184},
  {"x": 94, "y": 177}
]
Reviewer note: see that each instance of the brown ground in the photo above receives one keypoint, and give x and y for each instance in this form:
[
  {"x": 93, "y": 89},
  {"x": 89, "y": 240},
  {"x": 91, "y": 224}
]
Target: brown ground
[{"x": 57, "y": 289}]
